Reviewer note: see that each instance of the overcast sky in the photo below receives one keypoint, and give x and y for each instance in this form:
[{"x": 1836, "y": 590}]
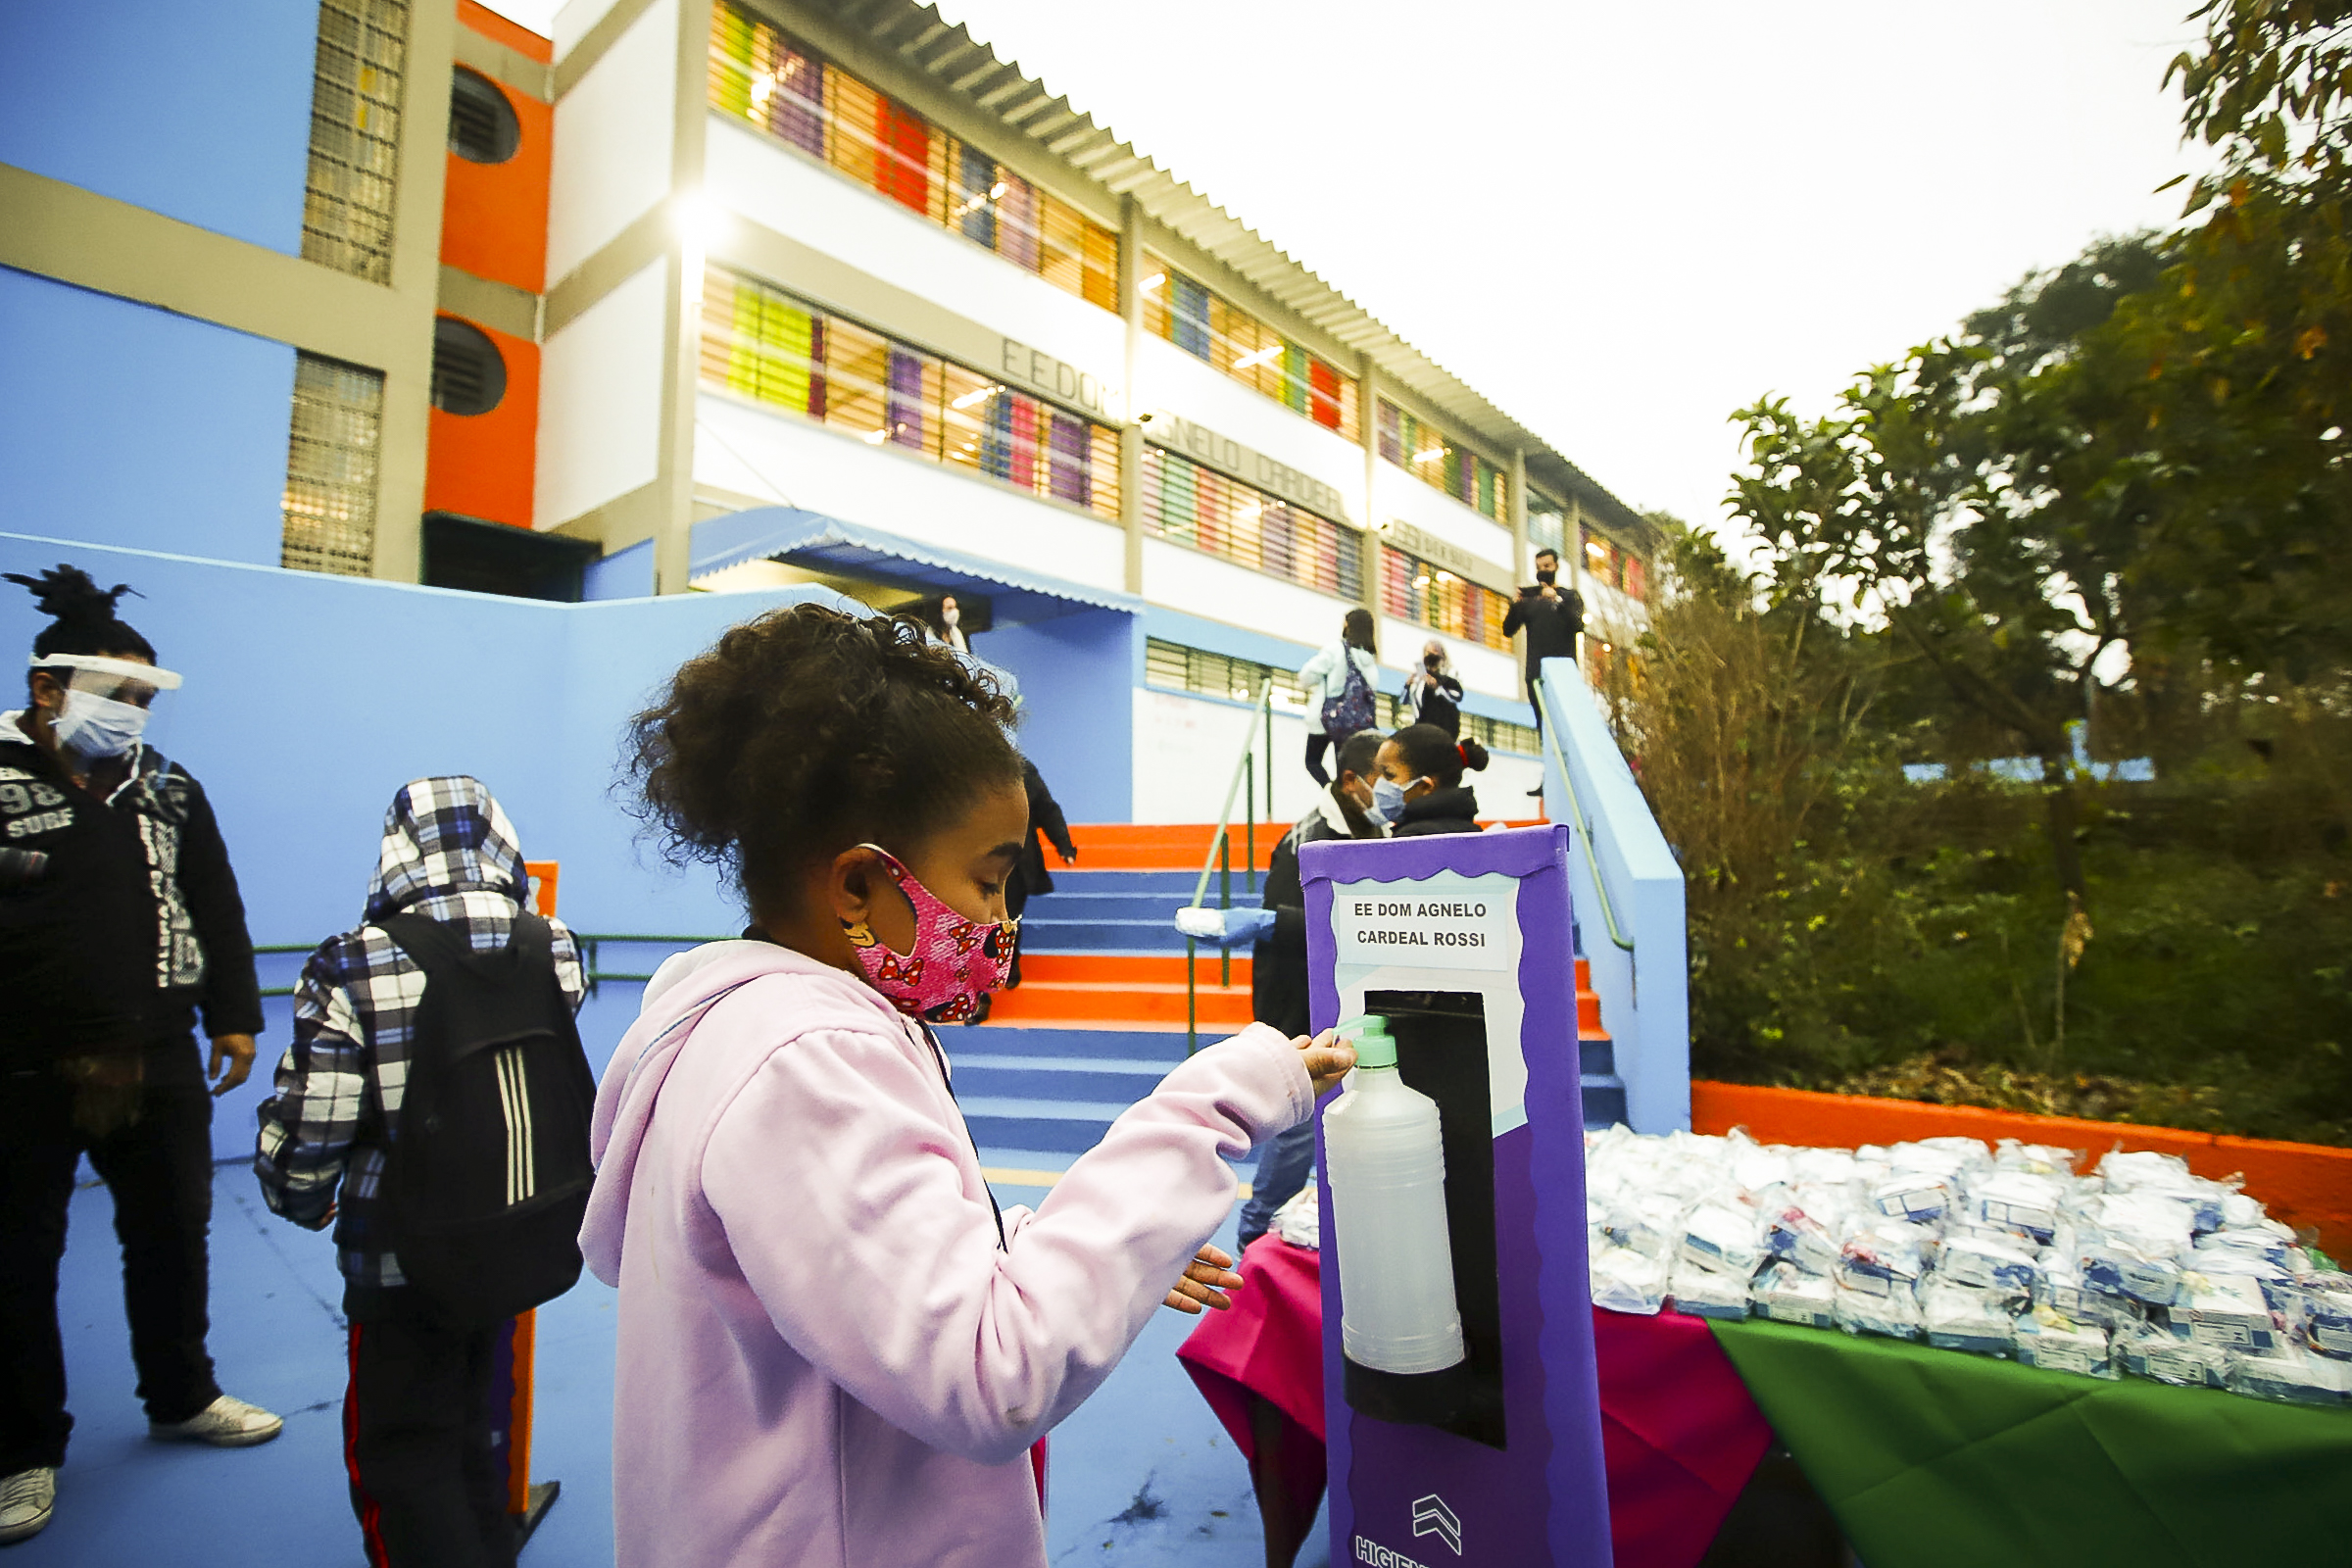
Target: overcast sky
[{"x": 1620, "y": 222}]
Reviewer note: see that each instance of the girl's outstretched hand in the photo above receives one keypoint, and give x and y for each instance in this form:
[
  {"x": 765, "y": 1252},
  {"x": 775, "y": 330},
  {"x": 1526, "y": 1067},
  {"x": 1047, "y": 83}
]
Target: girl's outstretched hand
[
  {"x": 1206, "y": 1279},
  {"x": 1329, "y": 1058}
]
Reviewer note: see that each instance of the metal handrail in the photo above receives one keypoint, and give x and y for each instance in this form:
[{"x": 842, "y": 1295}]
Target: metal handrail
[
  {"x": 1584, "y": 826},
  {"x": 1220, "y": 851}
]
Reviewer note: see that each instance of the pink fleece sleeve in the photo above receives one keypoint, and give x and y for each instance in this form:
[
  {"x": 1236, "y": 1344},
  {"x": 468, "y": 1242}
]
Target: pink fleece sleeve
[{"x": 837, "y": 1179}]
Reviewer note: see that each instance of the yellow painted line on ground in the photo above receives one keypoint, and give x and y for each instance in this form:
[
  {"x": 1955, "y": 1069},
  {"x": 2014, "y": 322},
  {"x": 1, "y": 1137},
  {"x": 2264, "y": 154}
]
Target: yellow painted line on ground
[{"x": 1047, "y": 1178}]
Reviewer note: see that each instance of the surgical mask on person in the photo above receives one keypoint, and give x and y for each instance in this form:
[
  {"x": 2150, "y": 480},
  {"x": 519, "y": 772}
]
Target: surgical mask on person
[
  {"x": 1388, "y": 802},
  {"x": 96, "y": 728},
  {"x": 957, "y": 960},
  {"x": 950, "y": 613},
  {"x": 1430, "y": 662},
  {"x": 1548, "y": 578}
]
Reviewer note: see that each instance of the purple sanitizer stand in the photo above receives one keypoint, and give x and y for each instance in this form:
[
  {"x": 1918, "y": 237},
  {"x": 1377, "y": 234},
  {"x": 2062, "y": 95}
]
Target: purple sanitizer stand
[{"x": 1463, "y": 942}]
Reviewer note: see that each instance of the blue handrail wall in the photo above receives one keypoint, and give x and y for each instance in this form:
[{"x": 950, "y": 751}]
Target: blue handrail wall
[{"x": 1645, "y": 994}]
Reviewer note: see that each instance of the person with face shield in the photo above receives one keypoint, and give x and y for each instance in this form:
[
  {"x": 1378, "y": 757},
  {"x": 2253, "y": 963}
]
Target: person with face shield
[
  {"x": 120, "y": 927},
  {"x": 1433, "y": 693}
]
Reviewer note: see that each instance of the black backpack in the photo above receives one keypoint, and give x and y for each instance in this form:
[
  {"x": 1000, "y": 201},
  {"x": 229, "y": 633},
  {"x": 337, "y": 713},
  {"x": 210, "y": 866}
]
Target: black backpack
[{"x": 487, "y": 1181}]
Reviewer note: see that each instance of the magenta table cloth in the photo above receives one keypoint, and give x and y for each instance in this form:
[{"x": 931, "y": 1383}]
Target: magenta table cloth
[{"x": 1679, "y": 1431}]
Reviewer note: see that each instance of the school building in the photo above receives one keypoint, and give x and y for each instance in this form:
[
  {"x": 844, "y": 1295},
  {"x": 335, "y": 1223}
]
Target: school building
[{"x": 739, "y": 296}]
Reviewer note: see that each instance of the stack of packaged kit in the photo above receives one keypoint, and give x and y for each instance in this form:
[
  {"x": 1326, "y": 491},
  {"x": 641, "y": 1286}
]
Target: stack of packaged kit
[{"x": 2135, "y": 1267}]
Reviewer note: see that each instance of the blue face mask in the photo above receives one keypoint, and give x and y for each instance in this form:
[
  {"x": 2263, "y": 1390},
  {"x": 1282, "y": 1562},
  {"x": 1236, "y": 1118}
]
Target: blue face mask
[{"x": 1388, "y": 802}]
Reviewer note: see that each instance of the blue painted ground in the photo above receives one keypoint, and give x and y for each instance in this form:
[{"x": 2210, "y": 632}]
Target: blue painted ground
[{"x": 1141, "y": 1475}]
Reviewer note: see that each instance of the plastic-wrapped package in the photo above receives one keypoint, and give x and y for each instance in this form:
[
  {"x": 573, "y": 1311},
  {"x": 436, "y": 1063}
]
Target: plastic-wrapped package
[
  {"x": 1699, "y": 1292},
  {"x": 1985, "y": 1264},
  {"x": 1722, "y": 1237},
  {"x": 2292, "y": 1377},
  {"x": 2323, "y": 1313},
  {"x": 2063, "y": 1291},
  {"x": 1299, "y": 1221},
  {"x": 1801, "y": 1240},
  {"x": 2166, "y": 1176},
  {"x": 2148, "y": 1221},
  {"x": 2018, "y": 1201},
  {"x": 1647, "y": 1222},
  {"x": 1787, "y": 1294},
  {"x": 2229, "y": 1311},
  {"x": 1959, "y": 1156},
  {"x": 1627, "y": 1281},
  {"x": 1822, "y": 1167},
  {"x": 2035, "y": 1160},
  {"x": 2056, "y": 1343},
  {"x": 1961, "y": 1317},
  {"x": 2277, "y": 1285},
  {"x": 1897, "y": 1315},
  {"x": 2117, "y": 1269},
  {"x": 2268, "y": 1241},
  {"x": 1756, "y": 1167},
  {"x": 2125, "y": 1171},
  {"x": 2162, "y": 1355},
  {"x": 1914, "y": 1195},
  {"x": 1884, "y": 1256}
]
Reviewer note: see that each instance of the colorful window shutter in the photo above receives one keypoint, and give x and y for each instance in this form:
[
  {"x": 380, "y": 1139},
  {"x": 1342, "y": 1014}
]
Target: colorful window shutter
[
  {"x": 1016, "y": 224},
  {"x": 1189, "y": 303},
  {"x": 905, "y": 411},
  {"x": 1635, "y": 577},
  {"x": 1294, "y": 377},
  {"x": 1024, "y": 441},
  {"x": 1102, "y": 261},
  {"x": 1323, "y": 382},
  {"x": 796, "y": 107},
  {"x": 850, "y": 128},
  {"x": 902, "y": 155},
  {"x": 1392, "y": 433},
  {"x": 976, "y": 174},
  {"x": 731, "y": 36},
  {"x": 1180, "y": 499}
]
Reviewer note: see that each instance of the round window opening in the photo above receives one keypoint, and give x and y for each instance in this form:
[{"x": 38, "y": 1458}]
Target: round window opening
[
  {"x": 469, "y": 375},
  {"x": 482, "y": 128}
]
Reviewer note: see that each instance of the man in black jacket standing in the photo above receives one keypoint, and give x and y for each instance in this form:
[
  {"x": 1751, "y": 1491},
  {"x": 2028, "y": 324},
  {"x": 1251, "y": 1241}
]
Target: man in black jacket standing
[
  {"x": 120, "y": 927},
  {"x": 1552, "y": 618}
]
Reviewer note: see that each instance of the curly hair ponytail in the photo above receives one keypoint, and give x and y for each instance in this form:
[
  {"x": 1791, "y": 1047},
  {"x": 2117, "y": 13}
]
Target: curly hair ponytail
[
  {"x": 806, "y": 731},
  {"x": 82, "y": 614}
]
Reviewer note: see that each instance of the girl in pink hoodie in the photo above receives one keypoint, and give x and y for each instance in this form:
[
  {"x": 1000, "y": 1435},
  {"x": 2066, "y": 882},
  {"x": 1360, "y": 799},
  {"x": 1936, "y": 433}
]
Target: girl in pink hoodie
[{"x": 834, "y": 1352}]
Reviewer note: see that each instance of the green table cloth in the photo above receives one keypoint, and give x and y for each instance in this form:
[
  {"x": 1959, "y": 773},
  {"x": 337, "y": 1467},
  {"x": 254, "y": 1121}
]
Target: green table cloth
[{"x": 1932, "y": 1458}]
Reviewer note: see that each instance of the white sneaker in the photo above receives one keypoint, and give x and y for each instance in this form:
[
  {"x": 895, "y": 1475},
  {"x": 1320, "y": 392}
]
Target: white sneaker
[
  {"x": 226, "y": 1423},
  {"x": 26, "y": 1499}
]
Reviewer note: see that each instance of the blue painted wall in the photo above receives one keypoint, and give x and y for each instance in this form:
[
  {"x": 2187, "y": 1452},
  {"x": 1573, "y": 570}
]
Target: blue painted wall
[
  {"x": 1077, "y": 704},
  {"x": 134, "y": 427},
  {"x": 199, "y": 111}
]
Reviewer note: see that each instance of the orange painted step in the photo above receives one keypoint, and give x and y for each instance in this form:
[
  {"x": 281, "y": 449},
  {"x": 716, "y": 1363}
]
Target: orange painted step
[
  {"x": 1130, "y": 1002},
  {"x": 1158, "y": 968},
  {"x": 1166, "y": 846}
]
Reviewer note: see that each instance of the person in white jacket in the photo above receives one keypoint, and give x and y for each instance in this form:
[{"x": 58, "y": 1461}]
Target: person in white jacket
[
  {"x": 834, "y": 1352},
  {"x": 1324, "y": 678}
]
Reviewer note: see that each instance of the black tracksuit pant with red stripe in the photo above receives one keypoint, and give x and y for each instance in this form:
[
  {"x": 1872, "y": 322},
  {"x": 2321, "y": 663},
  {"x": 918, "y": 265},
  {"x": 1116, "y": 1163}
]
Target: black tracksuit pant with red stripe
[{"x": 427, "y": 1483}]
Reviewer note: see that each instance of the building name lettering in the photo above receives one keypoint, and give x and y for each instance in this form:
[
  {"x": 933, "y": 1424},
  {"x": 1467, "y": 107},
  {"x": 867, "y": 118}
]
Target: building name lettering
[
  {"x": 1228, "y": 456},
  {"x": 1036, "y": 371},
  {"x": 1444, "y": 555}
]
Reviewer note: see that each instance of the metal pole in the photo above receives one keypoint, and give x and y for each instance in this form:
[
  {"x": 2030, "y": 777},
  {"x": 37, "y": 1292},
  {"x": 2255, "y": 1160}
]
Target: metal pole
[
  {"x": 1225, "y": 896},
  {"x": 1249, "y": 828},
  {"x": 1191, "y": 1041},
  {"x": 1269, "y": 751}
]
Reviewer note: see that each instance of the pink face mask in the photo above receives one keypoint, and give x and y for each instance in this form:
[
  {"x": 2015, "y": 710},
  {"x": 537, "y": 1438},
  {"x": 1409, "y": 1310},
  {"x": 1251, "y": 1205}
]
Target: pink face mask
[{"x": 957, "y": 960}]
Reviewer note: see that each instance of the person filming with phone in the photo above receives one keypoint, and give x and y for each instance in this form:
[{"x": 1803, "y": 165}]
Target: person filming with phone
[{"x": 1553, "y": 617}]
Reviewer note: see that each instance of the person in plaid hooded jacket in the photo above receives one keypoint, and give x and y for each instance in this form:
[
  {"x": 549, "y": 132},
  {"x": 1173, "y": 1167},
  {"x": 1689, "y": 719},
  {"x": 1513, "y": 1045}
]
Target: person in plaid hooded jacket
[{"x": 450, "y": 854}]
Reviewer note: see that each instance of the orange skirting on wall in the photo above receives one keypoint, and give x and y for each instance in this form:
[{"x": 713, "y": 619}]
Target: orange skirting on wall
[{"x": 2304, "y": 1185}]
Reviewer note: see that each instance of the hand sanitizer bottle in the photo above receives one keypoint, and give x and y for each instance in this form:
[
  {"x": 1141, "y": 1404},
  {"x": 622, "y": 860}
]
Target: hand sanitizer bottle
[{"x": 1386, "y": 1168}]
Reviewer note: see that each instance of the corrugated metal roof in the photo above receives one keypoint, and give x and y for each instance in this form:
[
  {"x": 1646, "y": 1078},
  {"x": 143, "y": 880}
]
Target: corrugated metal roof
[{"x": 965, "y": 68}]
